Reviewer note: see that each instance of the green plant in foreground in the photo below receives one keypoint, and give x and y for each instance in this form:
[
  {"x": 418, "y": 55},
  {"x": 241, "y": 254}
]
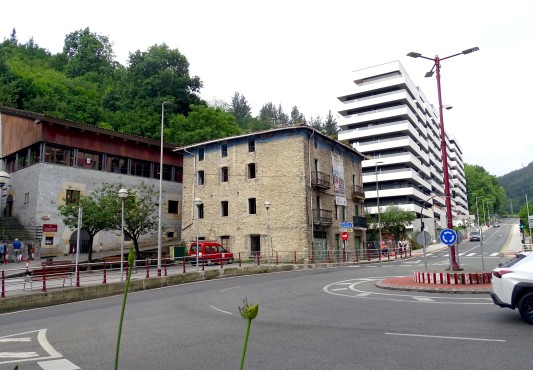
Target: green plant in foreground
[
  {"x": 131, "y": 259},
  {"x": 249, "y": 313}
]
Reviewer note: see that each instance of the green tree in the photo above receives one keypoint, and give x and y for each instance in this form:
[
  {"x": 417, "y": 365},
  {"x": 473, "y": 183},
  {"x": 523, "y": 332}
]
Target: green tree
[
  {"x": 297, "y": 118},
  {"x": 202, "y": 124},
  {"x": 88, "y": 52},
  {"x": 486, "y": 188},
  {"x": 330, "y": 126},
  {"x": 140, "y": 211},
  {"x": 395, "y": 220},
  {"x": 316, "y": 123},
  {"x": 240, "y": 109},
  {"x": 99, "y": 213}
]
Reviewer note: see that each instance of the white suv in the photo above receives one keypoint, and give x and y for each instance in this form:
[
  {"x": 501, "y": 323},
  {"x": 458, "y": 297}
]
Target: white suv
[{"x": 512, "y": 286}]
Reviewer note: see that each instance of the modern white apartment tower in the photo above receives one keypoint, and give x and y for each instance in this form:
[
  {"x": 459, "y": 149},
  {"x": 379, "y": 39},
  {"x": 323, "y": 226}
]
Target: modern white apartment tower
[{"x": 387, "y": 117}]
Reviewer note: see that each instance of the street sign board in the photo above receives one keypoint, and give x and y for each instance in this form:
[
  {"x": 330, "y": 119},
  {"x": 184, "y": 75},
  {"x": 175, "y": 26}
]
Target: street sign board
[
  {"x": 420, "y": 238},
  {"x": 460, "y": 238},
  {"x": 448, "y": 236},
  {"x": 344, "y": 235},
  {"x": 530, "y": 219},
  {"x": 347, "y": 225}
]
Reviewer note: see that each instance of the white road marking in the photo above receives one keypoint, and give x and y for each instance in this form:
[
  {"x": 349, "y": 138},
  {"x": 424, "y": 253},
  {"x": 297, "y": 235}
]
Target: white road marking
[
  {"x": 62, "y": 364},
  {"x": 218, "y": 309},
  {"x": 471, "y": 254},
  {"x": 18, "y": 354},
  {"x": 8, "y": 340},
  {"x": 225, "y": 290},
  {"x": 424, "y": 299},
  {"x": 494, "y": 254},
  {"x": 336, "y": 289},
  {"x": 444, "y": 337}
]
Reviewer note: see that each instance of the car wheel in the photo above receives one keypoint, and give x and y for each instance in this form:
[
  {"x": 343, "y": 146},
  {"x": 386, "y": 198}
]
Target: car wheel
[
  {"x": 208, "y": 263},
  {"x": 526, "y": 307},
  {"x": 230, "y": 261}
]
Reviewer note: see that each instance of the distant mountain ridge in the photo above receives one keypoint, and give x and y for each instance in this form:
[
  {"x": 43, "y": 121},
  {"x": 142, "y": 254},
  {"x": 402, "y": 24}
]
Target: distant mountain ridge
[{"x": 517, "y": 184}]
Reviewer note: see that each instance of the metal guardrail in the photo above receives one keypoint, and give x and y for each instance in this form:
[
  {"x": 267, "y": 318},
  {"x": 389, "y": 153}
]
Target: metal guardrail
[{"x": 42, "y": 277}]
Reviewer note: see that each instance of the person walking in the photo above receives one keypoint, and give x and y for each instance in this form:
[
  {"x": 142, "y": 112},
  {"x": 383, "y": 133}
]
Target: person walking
[
  {"x": 17, "y": 250},
  {"x": 3, "y": 250}
]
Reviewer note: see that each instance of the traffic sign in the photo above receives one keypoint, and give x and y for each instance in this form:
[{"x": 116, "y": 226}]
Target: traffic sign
[
  {"x": 530, "y": 222},
  {"x": 344, "y": 235},
  {"x": 448, "y": 236},
  {"x": 347, "y": 225},
  {"x": 420, "y": 238}
]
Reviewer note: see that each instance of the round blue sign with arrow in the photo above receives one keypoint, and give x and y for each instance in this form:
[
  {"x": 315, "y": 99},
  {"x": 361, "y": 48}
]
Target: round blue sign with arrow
[{"x": 448, "y": 236}]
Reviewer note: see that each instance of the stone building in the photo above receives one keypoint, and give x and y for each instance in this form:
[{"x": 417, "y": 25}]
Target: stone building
[
  {"x": 294, "y": 183},
  {"x": 51, "y": 161}
]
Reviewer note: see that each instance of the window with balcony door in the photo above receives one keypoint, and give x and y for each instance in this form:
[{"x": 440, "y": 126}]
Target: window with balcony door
[{"x": 224, "y": 174}]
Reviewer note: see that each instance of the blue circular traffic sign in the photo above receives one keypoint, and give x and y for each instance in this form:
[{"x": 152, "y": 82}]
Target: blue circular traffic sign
[{"x": 448, "y": 236}]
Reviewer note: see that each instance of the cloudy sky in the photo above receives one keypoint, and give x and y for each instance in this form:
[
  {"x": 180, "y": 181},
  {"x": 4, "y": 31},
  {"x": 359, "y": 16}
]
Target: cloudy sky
[{"x": 302, "y": 52}]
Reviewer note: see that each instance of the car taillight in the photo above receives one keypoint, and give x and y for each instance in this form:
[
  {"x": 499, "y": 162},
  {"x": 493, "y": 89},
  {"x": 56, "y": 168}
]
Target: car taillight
[{"x": 500, "y": 273}]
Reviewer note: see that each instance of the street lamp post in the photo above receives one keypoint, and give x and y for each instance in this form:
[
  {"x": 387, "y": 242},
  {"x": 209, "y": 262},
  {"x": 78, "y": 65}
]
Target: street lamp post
[
  {"x": 267, "y": 206},
  {"x": 4, "y": 179},
  {"x": 197, "y": 203},
  {"x": 480, "y": 237},
  {"x": 379, "y": 210},
  {"x": 122, "y": 193},
  {"x": 436, "y": 66},
  {"x": 160, "y": 213}
]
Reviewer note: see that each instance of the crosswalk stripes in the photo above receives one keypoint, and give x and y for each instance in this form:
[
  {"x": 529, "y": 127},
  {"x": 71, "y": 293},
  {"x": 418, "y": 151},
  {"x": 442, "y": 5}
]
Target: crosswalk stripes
[{"x": 471, "y": 255}]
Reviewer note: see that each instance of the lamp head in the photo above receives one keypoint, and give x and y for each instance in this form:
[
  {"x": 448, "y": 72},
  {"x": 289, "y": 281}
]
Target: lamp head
[
  {"x": 267, "y": 205},
  {"x": 197, "y": 201},
  {"x": 123, "y": 193}
]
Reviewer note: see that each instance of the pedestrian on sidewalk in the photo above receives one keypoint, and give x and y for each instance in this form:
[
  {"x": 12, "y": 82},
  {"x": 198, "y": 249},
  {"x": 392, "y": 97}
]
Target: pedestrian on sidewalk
[
  {"x": 3, "y": 250},
  {"x": 17, "y": 250}
]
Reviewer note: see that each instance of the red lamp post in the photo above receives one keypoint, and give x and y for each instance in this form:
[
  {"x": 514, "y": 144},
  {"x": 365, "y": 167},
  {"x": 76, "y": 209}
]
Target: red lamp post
[{"x": 436, "y": 66}]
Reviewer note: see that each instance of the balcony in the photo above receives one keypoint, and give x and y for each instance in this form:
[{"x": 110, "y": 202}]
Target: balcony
[
  {"x": 359, "y": 221},
  {"x": 321, "y": 180},
  {"x": 322, "y": 217},
  {"x": 358, "y": 194}
]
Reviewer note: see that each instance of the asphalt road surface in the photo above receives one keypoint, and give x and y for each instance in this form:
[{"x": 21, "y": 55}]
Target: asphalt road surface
[{"x": 332, "y": 318}]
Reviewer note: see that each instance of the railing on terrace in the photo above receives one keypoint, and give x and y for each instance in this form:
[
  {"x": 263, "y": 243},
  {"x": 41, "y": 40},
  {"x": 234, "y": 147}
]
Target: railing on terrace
[
  {"x": 321, "y": 180},
  {"x": 18, "y": 281},
  {"x": 322, "y": 216}
]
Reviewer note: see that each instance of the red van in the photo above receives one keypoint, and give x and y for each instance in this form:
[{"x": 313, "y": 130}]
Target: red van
[{"x": 210, "y": 253}]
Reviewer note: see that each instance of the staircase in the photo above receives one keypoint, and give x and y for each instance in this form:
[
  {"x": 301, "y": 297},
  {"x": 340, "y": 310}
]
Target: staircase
[{"x": 11, "y": 228}]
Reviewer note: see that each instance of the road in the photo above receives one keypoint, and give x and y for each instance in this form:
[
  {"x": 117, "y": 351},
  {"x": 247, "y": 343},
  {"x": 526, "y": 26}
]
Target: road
[{"x": 331, "y": 318}]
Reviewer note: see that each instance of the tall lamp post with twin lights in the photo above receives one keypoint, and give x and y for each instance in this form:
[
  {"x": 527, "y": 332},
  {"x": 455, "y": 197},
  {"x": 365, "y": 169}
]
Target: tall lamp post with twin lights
[
  {"x": 4, "y": 179},
  {"x": 122, "y": 193},
  {"x": 436, "y": 65},
  {"x": 379, "y": 210},
  {"x": 160, "y": 209}
]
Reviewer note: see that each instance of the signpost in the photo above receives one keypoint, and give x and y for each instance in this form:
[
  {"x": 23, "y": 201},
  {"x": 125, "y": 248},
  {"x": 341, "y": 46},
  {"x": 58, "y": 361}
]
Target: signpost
[
  {"x": 422, "y": 238},
  {"x": 344, "y": 236},
  {"x": 448, "y": 237}
]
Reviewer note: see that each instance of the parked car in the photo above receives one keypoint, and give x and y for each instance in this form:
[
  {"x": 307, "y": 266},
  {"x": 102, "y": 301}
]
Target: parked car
[
  {"x": 496, "y": 224},
  {"x": 475, "y": 235},
  {"x": 512, "y": 286},
  {"x": 210, "y": 253}
]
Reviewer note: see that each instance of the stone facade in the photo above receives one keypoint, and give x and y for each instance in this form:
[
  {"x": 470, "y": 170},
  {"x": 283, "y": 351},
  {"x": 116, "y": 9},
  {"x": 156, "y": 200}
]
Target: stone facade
[{"x": 284, "y": 162}]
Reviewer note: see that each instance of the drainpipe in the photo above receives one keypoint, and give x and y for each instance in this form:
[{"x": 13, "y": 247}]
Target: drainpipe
[
  {"x": 193, "y": 183},
  {"x": 310, "y": 192}
]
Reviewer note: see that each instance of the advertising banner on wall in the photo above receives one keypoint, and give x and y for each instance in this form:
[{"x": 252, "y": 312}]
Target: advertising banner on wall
[{"x": 338, "y": 179}]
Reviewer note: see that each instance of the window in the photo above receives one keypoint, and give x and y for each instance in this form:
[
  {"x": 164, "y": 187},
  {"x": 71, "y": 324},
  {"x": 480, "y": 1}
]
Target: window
[
  {"x": 251, "y": 170},
  {"x": 343, "y": 209},
  {"x": 255, "y": 245},
  {"x": 58, "y": 155},
  {"x": 224, "y": 174},
  {"x": 73, "y": 196},
  {"x": 201, "y": 177},
  {"x": 251, "y": 145},
  {"x": 140, "y": 168},
  {"x": 173, "y": 206},
  {"x": 224, "y": 240},
  {"x": 252, "y": 209},
  {"x": 224, "y": 150},
  {"x": 88, "y": 160},
  {"x": 201, "y": 210},
  {"x": 224, "y": 208},
  {"x": 116, "y": 164},
  {"x": 201, "y": 154},
  {"x": 167, "y": 171}
]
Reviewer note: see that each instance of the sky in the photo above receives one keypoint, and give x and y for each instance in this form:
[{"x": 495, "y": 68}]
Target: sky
[{"x": 302, "y": 53}]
